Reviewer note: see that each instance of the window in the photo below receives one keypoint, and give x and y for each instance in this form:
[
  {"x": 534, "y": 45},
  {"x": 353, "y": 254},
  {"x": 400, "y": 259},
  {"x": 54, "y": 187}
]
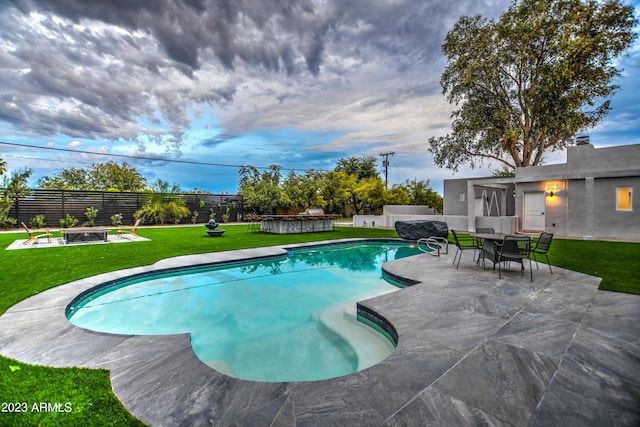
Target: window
[{"x": 623, "y": 198}]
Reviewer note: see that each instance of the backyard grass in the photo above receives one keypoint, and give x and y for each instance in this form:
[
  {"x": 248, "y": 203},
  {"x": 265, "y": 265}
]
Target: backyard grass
[{"x": 92, "y": 402}]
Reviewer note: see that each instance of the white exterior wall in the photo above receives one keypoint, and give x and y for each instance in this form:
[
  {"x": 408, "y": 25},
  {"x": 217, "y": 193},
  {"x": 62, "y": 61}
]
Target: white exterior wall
[{"x": 456, "y": 222}]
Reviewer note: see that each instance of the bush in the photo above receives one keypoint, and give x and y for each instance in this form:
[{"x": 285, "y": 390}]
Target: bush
[
  {"x": 162, "y": 213},
  {"x": 68, "y": 221},
  {"x": 38, "y": 221},
  {"x": 116, "y": 219},
  {"x": 225, "y": 215},
  {"x": 6, "y": 221},
  {"x": 91, "y": 214},
  {"x": 163, "y": 205}
]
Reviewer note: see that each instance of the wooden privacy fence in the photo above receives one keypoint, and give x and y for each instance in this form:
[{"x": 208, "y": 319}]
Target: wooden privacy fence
[{"x": 56, "y": 204}]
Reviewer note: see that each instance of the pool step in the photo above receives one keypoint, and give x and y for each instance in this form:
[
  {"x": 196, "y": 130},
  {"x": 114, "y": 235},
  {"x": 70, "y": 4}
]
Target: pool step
[{"x": 369, "y": 346}]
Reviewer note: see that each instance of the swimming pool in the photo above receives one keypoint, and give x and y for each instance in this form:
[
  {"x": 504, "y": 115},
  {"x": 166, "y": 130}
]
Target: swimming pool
[{"x": 289, "y": 318}]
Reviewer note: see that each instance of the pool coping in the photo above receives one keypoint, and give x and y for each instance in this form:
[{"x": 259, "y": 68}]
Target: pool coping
[{"x": 472, "y": 349}]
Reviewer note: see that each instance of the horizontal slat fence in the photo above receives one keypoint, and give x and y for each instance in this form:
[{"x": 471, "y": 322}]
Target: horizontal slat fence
[{"x": 55, "y": 204}]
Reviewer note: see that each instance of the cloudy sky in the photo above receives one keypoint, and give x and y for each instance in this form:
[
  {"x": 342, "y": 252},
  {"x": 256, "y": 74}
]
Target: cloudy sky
[{"x": 222, "y": 83}]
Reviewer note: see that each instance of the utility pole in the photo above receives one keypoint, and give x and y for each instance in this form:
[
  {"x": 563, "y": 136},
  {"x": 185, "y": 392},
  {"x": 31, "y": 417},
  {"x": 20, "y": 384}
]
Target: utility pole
[{"x": 385, "y": 164}]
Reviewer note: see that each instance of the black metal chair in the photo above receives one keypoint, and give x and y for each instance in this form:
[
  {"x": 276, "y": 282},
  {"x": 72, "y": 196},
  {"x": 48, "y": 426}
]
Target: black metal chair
[
  {"x": 461, "y": 248},
  {"x": 542, "y": 247},
  {"x": 514, "y": 248}
]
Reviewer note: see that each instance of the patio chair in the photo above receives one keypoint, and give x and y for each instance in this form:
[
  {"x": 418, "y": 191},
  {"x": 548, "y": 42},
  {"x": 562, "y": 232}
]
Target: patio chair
[
  {"x": 132, "y": 231},
  {"x": 461, "y": 248},
  {"x": 33, "y": 237},
  {"x": 480, "y": 242},
  {"x": 542, "y": 247},
  {"x": 513, "y": 248}
]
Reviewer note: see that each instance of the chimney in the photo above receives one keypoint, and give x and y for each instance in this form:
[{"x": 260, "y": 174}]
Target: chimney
[{"x": 582, "y": 140}]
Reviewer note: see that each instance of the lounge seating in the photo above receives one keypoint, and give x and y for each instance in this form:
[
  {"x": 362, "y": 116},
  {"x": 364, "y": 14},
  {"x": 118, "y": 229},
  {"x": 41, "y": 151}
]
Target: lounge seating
[
  {"x": 132, "y": 230},
  {"x": 33, "y": 237},
  {"x": 513, "y": 248},
  {"x": 462, "y": 247},
  {"x": 542, "y": 247}
]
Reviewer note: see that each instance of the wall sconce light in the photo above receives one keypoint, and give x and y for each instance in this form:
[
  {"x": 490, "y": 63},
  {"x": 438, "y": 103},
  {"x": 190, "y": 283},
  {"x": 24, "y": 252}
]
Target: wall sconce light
[{"x": 554, "y": 187}]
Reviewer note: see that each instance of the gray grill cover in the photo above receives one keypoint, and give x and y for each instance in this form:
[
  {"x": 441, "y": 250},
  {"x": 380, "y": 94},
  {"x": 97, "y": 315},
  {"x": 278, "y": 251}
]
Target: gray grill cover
[{"x": 414, "y": 230}]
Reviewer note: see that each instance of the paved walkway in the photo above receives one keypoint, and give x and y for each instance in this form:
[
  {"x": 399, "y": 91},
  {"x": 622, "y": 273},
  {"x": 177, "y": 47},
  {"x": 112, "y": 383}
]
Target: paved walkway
[{"x": 473, "y": 350}]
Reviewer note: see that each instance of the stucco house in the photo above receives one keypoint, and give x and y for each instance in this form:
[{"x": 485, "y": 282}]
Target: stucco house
[
  {"x": 591, "y": 196},
  {"x": 594, "y": 195}
]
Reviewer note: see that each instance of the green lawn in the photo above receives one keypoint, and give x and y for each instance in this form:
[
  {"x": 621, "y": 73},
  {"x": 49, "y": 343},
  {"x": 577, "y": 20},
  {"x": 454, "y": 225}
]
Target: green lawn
[{"x": 27, "y": 272}]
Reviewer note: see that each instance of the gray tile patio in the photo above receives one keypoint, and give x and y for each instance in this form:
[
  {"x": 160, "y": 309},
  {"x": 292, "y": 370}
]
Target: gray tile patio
[{"x": 473, "y": 350}]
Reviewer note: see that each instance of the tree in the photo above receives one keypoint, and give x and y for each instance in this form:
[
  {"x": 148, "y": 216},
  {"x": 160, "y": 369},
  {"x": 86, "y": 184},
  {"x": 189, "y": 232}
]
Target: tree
[
  {"x": 261, "y": 192},
  {"x": 527, "y": 84},
  {"x": 163, "y": 204},
  {"x": 365, "y": 193},
  {"x": 112, "y": 176},
  {"x": 66, "y": 179},
  {"x": 503, "y": 172},
  {"x": 3, "y": 167},
  {"x": 109, "y": 176},
  {"x": 14, "y": 187},
  {"x": 362, "y": 185},
  {"x": 334, "y": 191},
  {"x": 398, "y": 195},
  {"x": 304, "y": 191},
  {"x": 362, "y": 167},
  {"x": 421, "y": 193}
]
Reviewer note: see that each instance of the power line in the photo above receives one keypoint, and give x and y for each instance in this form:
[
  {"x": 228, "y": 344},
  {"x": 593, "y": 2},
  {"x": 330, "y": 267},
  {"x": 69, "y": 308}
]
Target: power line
[
  {"x": 128, "y": 156},
  {"x": 142, "y": 167},
  {"x": 159, "y": 159}
]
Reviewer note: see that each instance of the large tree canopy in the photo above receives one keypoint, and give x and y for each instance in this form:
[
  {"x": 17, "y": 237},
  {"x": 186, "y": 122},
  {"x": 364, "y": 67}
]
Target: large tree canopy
[
  {"x": 109, "y": 176},
  {"x": 528, "y": 83},
  {"x": 354, "y": 184}
]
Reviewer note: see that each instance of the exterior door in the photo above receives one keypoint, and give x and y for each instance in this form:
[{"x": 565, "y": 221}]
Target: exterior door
[{"x": 534, "y": 211}]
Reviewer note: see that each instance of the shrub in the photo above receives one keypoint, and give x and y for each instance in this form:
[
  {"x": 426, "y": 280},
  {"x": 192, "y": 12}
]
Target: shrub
[
  {"x": 91, "y": 214},
  {"x": 225, "y": 215},
  {"x": 163, "y": 213},
  {"x": 116, "y": 219},
  {"x": 38, "y": 221},
  {"x": 5, "y": 220},
  {"x": 194, "y": 217},
  {"x": 68, "y": 221},
  {"x": 163, "y": 205}
]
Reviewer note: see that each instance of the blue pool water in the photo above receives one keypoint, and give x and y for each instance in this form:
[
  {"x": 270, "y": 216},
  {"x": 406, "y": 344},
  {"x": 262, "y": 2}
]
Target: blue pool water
[{"x": 290, "y": 318}]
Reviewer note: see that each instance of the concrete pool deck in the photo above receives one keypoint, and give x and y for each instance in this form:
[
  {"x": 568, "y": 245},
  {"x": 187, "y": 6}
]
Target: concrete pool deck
[{"x": 472, "y": 350}]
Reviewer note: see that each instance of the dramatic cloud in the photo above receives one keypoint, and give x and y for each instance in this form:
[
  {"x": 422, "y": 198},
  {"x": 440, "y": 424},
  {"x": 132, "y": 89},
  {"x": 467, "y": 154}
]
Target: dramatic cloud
[{"x": 357, "y": 76}]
